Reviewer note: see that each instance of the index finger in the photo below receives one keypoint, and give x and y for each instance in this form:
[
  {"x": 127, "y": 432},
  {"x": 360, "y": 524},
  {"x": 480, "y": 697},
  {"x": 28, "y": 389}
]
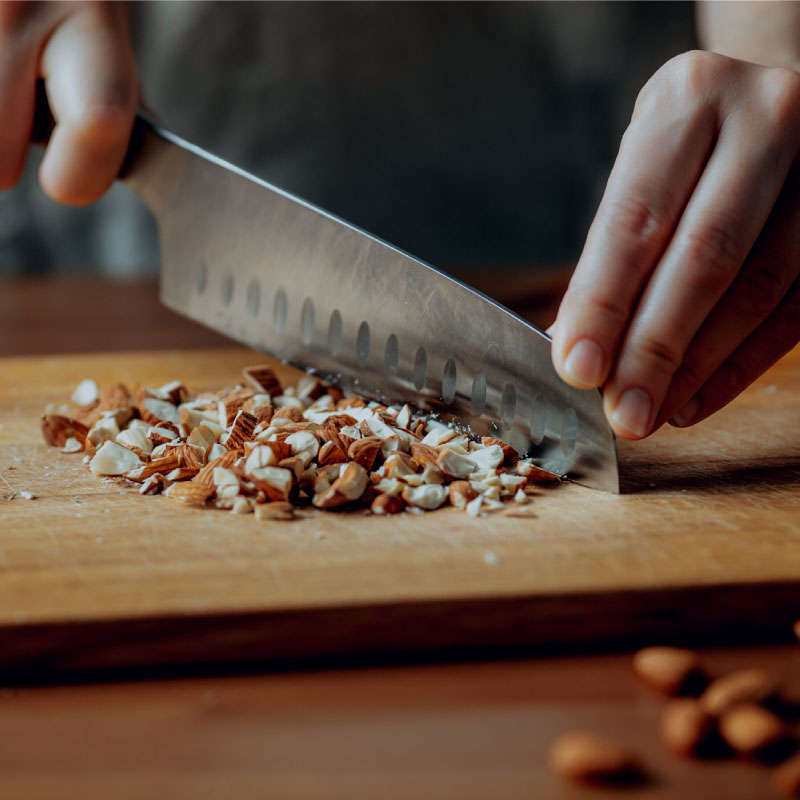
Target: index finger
[{"x": 660, "y": 160}]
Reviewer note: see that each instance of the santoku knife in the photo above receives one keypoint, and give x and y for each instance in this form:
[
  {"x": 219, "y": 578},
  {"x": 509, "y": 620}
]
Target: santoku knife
[{"x": 277, "y": 273}]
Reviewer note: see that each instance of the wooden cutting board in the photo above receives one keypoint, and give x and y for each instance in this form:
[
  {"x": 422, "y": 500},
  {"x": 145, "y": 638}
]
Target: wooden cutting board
[{"x": 705, "y": 543}]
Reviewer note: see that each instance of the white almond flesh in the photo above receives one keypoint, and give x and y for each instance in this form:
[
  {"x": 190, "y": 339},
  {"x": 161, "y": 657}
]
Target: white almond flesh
[
  {"x": 303, "y": 444},
  {"x": 432, "y": 474},
  {"x": 429, "y": 496},
  {"x": 135, "y": 437},
  {"x": 163, "y": 410},
  {"x": 474, "y": 506},
  {"x": 512, "y": 481},
  {"x": 520, "y": 497},
  {"x": 403, "y": 418},
  {"x": 216, "y": 451},
  {"x": 488, "y": 457},
  {"x": 390, "y": 486},
  {"x": 261, "y": 456},
  {"x": 454, "y": 464},
  {"x": 241, "y": 505},
  {"x": 284, "y": 400},
  {"x": 72, "y": 445},
  {"x": 138, "y": 425},
  {"x": 114, "y": 459},
  {"x": 224, "y": 477},
  {"x": 278, "y": 478},
  {"x": 439, "y": 436},
  {"x": 350, "y": 430},
  {"x": 86, "y": 393},
  {"x": 105, "y": 428},
  {"x": 202, "y": 436}
]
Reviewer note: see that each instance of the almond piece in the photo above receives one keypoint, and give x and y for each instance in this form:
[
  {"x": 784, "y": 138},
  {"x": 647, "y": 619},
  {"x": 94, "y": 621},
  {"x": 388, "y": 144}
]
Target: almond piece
[
  {"x": 454, "y": 465},
  {"x": 263, "y": 379},
  {"x": 155, "y": 467},
  {"x": 347, "y": 488},
  {"x": 387, "y": 504},
  {"x": 86, "y": 393},
  {"x": 510, "y": 455},
  {"x": 400, "y": 465},
  {"x": 685, "y": 727},
  {"x": 428, "y": 496},
  {"x": 743, "y": 686},
  {"x": 191, "y": 493},
  {"x": 114, "y": 459},
  {"x": 153, "y": 410},
  {"x": 586, "y": 758},
  {"x": 331, "y": 453},
  {"x": 424, "y": 453},
  {"x": 261, "y": 456},
  {"x": 432, "y": 474},
  {"x": 536, "y": 474},
  {"x": 275, "y": 511},
  {"x": 206, "y": 475},
  {"x": 275, "y": 482},
  {"x": 487, "y": 457},
  {"x": 242, "y": 431},
  {"x": 291, "y": 413},
  {"x": 750, "y": 729},
  {"x": 667, "y": 669},
  {"x": 304, "y": 445},
  {"x": 461, "y": 492},
  {"x": 56, "y": 429},
  {"x": 153, "y": 485},
  {"x": 365, "y": 451},
  {"x": 188, "y": 455}
]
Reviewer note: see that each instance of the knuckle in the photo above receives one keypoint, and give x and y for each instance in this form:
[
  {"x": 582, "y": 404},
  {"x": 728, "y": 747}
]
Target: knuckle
[
  {"x": 694, "y": 71},
  {"x": 761, "y": 289},
  {"x": 641, "y": 215},
  {"x": 108, "y": 112},
  {"x": 733, "y": 377},
  {"x": 781, "y": 92},
  {"x": 715, "y": 250},
  {"x": 661, "y": 356},
  {"x": 611, "y": 311}
]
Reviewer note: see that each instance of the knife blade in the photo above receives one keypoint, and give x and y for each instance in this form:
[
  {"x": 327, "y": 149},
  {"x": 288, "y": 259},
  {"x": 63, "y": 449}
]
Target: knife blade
[{"x": 283, "y": 276}]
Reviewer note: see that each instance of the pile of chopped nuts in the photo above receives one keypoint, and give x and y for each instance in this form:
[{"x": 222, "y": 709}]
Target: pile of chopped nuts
[{"x": 269, "y": 449}]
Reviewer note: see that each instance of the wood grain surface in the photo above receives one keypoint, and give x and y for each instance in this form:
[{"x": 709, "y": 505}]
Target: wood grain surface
[
  {"x": 704, "y": 543},
  {"x": 470, "y": 731}
]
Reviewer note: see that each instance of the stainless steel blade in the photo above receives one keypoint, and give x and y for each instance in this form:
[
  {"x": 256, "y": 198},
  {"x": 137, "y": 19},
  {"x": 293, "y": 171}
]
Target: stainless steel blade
[{"x": 280, "y": 275}]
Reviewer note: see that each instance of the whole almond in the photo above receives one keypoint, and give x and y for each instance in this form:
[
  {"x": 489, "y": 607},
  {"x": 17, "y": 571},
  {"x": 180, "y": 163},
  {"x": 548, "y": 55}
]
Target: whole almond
[
  {"x": 685, "y": 727},
  {"x": 667, "y": 669},
  {"x": 587, "y": 758},
  {"x": 743, "y": 686},
  {"x": 749, "y": 729},
  {"x": 787, "y": 778}
]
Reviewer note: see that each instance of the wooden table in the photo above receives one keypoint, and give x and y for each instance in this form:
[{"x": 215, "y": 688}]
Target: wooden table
[{"x": 473, "y": 729}]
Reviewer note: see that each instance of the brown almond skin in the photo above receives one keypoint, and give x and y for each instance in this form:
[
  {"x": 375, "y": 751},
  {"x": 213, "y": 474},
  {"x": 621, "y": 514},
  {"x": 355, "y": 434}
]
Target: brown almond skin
[
  {"x": 743, "y": 686},
  {"x": 749, "y": 729},
  {"x": 666, "y": 669},
  {"x": 586, "y": 758},
  {"x": 787, "y": 778},
  {"x": 387, "y": 504},
  {"x": 685, "y": 727},
  {"x": 796, "y": 629}
]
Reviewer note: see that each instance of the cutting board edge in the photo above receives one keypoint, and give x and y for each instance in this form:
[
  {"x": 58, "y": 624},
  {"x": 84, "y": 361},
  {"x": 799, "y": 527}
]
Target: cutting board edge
[{"x": 544, "y": 624}]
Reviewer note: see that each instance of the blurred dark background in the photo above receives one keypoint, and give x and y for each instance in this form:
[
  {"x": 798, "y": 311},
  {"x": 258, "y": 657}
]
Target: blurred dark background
[{"x": 470, "y": 134}]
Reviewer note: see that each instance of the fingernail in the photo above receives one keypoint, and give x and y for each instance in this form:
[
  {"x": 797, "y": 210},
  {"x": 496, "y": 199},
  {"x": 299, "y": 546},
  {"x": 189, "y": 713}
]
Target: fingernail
[
  {"x": 633, "y": 411},
  {"x": 585, "y": 363},
  {"x": 684, "y": 417}
]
